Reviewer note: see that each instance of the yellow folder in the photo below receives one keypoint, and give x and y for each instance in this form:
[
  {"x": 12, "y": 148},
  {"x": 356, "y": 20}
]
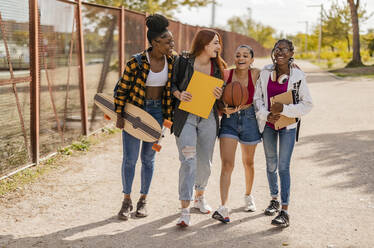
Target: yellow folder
[{"x": 201, "y": 87}]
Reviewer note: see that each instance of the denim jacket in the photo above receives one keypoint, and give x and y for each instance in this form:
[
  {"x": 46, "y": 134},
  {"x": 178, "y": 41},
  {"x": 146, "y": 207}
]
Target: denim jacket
[{"x": 180, "y": 116}]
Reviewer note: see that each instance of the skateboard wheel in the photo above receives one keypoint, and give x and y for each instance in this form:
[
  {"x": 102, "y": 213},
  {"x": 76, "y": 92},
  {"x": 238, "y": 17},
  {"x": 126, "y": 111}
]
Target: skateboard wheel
[
  {"x": 168, "y": 124},
  {"x": 156, "y": 147},
  {"x": 107, "y": 117}
]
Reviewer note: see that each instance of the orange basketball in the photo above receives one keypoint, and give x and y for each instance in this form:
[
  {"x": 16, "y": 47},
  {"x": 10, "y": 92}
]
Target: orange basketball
[{"x": 235, "y": 94}]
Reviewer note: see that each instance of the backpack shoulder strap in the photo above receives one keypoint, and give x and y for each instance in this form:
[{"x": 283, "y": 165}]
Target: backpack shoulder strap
[{"x": 138, "y": 58}]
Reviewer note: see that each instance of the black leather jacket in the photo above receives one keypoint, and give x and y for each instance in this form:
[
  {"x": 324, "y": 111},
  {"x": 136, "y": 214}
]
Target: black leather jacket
[{"x": 180, "y": 116}]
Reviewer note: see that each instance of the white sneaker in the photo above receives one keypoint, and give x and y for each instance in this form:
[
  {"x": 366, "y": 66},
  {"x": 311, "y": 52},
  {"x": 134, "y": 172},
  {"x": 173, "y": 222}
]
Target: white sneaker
[
  {"x": 249, "y": 203},
  {"x": 222, "y": 214},
  {"x": 184, "y": 219},
  {"x": 200, "y": 203}
]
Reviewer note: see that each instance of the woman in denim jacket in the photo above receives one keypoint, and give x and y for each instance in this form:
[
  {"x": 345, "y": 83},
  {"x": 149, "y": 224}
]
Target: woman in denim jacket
[{"x": 195, "y": 136}]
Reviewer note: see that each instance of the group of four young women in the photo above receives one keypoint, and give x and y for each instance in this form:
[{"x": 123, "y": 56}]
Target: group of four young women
[{"x": 161, "y": 79}]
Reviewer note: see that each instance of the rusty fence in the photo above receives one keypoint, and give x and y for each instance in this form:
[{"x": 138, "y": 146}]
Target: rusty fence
[{"x": 54, "y": 56}]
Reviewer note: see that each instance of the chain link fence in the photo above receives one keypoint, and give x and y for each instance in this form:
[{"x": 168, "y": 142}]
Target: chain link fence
[{"x": 81, "y": 50}]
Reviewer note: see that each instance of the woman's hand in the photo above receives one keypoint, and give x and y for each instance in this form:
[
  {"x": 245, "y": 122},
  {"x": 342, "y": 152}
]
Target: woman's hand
[
  {"x": 276, "y": 108},
  {"x": 294, "y": 65},
  {"x": 228, "y": 110},
  {"x": 120, "y": 122},
  {"x": 273, "y": 118},
  {"x": 217, "y": 92},
  {"x": 185, "y": 96}
]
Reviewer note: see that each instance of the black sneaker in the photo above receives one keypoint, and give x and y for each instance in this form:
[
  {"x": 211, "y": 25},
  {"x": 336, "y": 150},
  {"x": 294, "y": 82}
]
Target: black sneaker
[
  {"x": 141, "y": 210},
  {"x": 126, "y": 208},
  {"x": 272, "y": 208},
  {"x": 282, "y": 220}
]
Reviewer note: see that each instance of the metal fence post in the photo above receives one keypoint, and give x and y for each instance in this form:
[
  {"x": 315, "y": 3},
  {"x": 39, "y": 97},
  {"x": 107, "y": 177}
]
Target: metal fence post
[
  {"x": 180, "y": 38},
  {"x": 35, "y": 79},
  {"x": 122, "y": 28},
  {"x": 82, "y": 76},
  {"x": 145, "y": 31}
]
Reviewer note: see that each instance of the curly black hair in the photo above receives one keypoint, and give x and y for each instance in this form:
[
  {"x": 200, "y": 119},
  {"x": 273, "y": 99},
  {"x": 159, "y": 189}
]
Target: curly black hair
[
  {"x": 290, "y": 45},
  {"x": 157, "y": 25}
]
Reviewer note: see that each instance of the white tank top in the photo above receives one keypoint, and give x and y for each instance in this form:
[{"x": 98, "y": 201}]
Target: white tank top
[{"x": 157, "y": 78}]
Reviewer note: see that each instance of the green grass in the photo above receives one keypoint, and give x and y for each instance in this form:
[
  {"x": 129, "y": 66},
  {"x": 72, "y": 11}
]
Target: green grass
[{"x": 30, "y": 175}]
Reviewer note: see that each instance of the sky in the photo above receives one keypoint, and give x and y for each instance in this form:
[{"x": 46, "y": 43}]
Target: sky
[{"x": 286, "y": 16}]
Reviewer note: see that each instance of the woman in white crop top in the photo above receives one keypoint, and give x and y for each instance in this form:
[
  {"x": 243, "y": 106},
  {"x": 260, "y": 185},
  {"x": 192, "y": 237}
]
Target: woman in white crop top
[{"x": 156, "y": 79}]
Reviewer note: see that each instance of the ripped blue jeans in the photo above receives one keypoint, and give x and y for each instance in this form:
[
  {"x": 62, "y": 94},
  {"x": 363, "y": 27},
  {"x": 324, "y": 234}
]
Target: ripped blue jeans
[{"x": 195, "y": 146}]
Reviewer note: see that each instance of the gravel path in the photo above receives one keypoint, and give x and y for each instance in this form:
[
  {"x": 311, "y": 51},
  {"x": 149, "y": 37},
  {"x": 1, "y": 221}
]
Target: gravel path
[{"x": 332, "y": 203}]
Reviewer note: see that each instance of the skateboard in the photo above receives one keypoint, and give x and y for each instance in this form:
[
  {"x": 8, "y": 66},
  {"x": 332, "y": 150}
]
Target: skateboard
[{"x": 137, "y": 122}]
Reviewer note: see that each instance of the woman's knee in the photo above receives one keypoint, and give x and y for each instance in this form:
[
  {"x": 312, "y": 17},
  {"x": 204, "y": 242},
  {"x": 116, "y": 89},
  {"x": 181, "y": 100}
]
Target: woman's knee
[
  {"x": 227, "y": 166},
  {"x": 248, "y": 163}
]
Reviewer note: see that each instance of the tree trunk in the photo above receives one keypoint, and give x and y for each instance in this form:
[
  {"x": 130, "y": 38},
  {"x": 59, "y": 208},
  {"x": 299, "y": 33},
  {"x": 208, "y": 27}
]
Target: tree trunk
[
  {"x": 356, "y": 59},
  {"x": 348, "y": 43}
]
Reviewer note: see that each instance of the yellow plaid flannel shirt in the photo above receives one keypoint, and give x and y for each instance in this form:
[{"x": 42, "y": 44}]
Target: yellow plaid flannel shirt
[{"x": 131, "y": 91}]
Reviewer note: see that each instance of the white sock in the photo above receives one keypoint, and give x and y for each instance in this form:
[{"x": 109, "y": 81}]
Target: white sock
[
  {"x": 185, "y": 210},
  {"x": 286, "y": 211}
]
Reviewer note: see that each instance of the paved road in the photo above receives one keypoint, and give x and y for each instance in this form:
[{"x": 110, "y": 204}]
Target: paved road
[{"x": 332, "y": 203}]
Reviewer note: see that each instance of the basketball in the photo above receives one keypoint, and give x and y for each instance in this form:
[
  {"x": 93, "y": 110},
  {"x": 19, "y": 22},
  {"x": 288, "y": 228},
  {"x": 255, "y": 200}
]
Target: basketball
[{"x": 235, "y": 94}]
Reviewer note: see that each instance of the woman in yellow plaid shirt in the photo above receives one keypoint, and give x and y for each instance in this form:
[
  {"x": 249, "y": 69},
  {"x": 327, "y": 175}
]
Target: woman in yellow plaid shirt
[{"x": 147, "y": 85}]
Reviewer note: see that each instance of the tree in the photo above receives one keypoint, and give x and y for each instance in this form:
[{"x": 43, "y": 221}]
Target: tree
[
  {"x": 356, "y": 58},
  {"x": 247, "y": 26},
  {"x": 336, "y": 25},
  {"x": 165, "y": 7}
]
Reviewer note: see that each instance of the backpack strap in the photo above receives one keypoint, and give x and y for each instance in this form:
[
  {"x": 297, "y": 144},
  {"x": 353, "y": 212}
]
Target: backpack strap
[{"x": 138, "y": 58}]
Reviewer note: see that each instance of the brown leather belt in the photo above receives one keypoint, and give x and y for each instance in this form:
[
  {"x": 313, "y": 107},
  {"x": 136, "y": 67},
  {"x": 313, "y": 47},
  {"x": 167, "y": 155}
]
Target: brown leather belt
[{"x": 245, "y": 106}]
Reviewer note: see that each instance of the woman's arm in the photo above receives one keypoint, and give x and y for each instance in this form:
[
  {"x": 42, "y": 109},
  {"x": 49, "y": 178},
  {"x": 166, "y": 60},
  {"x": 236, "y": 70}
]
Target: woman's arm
[{"x": 259, "y": 101}]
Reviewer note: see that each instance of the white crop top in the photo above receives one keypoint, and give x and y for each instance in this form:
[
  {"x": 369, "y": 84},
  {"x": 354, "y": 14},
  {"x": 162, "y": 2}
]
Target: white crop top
[{"x": 157, "y": 78}]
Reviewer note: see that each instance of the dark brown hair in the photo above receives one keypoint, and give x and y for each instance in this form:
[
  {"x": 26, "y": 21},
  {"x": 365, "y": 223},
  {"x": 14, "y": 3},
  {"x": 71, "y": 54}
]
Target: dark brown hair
[{"x": 203, "y": 38}]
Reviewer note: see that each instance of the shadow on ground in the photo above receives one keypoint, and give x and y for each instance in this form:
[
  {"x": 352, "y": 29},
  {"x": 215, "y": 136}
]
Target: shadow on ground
[
  {"x": 159, "y": 233},
  {"x": 349, "y": 153}
]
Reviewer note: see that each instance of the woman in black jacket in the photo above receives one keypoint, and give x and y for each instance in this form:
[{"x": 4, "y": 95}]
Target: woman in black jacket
[{"x": 195, "y": 136}]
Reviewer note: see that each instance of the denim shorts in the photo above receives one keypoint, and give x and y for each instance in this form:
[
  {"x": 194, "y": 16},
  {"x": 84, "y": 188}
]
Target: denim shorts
[{"x": 241, "y": 126}]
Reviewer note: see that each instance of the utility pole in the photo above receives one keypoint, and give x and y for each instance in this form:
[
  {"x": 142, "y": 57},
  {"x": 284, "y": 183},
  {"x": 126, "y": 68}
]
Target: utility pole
[
  {"x": 306, "y": 36},
  {"x": 213, "y": 13},
  {"x": 320, "y": 29}
]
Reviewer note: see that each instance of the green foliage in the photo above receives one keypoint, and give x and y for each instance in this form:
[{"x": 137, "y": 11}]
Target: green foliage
[
  {"x": 247, "y": 26},
  {"x": 165, "y": 7},
  {"x": 82, "y": 145},
  {"x": 65, "y": 151},
  {"x": 368, "y": 41}
]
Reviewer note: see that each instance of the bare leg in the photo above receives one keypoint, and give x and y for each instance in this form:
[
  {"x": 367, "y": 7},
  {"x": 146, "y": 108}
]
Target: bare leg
[
  {"x": 248, "y": 153},
  {"x": 227, "y": 150}
]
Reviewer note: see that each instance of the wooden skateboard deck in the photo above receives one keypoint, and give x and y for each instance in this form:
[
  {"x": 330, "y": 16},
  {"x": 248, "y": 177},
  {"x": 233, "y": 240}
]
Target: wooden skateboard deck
[{"x": 137, "y": 122}]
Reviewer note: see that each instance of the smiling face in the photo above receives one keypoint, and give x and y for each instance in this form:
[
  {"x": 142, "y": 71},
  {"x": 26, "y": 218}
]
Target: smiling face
[
  {"x": 164, "y": 43},
  {"x": 213, "y": 48},
  {"x": 243, "y": 58},
  {"x": 282, "y": 53}
]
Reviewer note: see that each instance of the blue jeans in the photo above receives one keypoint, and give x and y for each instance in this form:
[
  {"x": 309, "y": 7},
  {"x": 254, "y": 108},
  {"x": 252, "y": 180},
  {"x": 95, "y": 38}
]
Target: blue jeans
[
  {"x": 195, "y": 146},
  {"x": 131, "y": 147},
  {"x": 279, "y": 160}
]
